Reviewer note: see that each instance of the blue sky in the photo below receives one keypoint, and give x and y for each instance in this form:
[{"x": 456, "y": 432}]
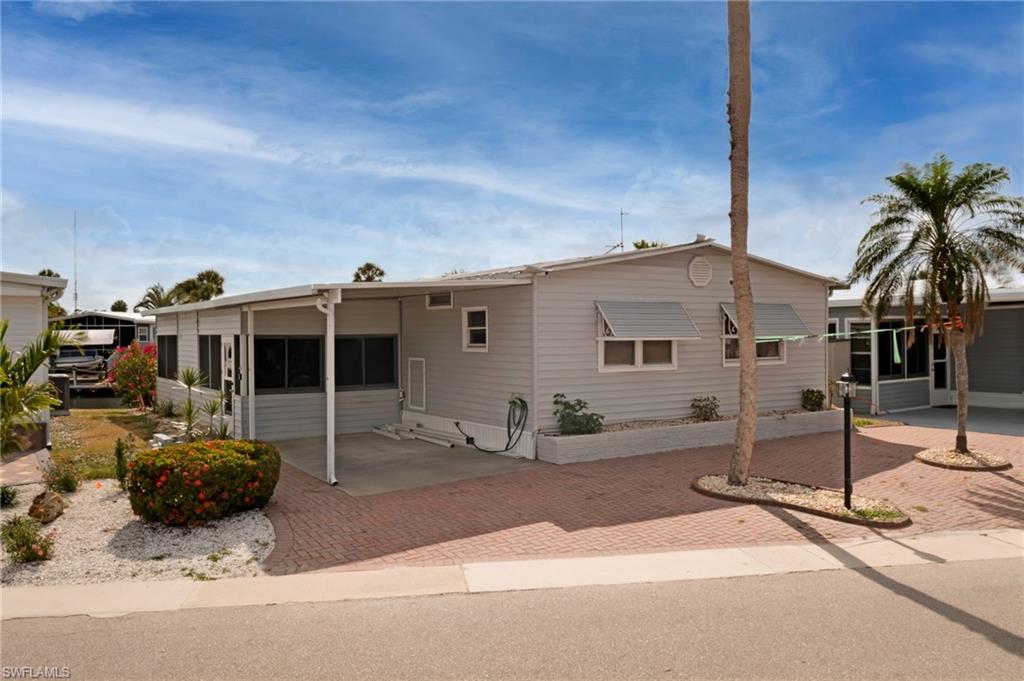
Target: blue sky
[{"x": 288, "y": 143}]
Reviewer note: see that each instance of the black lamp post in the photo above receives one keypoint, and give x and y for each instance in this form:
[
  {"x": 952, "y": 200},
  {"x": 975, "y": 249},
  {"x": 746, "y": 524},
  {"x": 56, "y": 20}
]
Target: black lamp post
[{"x": 847, "y": 386}]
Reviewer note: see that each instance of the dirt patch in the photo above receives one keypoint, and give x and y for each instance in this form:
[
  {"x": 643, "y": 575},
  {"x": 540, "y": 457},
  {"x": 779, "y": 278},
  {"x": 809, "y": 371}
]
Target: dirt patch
[
  {"x": 821, "y": 501},
  {"x": 99, "y": 539},
  {"x": 960, "y": 461},
  {"x": 86, "y": 437}
]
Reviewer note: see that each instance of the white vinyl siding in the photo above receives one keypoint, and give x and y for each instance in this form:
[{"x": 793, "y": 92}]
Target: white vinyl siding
[
  {"x": 568, "y": 351},
  {"x": 473, "y": 386}
]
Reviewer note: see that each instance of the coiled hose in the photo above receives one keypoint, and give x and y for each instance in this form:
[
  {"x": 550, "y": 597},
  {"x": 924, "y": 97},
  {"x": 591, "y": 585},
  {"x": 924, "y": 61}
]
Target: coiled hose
[{"x": 515, "y": 424}]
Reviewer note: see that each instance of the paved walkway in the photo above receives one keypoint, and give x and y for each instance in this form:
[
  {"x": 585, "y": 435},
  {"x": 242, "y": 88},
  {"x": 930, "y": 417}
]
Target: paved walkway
[
  {"x": 24, "y": 467},
  {"x": 633, "y": 505}
]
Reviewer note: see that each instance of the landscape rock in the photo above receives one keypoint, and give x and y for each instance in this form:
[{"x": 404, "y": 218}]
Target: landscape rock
[{"x": 47, "y": 507}]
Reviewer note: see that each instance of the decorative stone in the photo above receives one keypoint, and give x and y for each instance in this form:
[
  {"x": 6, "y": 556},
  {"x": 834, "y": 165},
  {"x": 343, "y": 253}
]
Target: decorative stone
[{"x": 47, "y": 507}]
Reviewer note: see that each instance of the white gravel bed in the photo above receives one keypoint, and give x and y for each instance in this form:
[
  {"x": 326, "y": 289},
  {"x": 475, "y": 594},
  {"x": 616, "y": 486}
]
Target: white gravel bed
[
  {"x": 683, "y": 421},
  {"x": 99, "y": 539},
  {"x": 827, "y": 500},
  {"x": 951, "y": 457}
]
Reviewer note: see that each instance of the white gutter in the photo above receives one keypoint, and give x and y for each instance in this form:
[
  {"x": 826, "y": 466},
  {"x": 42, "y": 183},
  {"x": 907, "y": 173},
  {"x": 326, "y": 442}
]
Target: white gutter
[{"x": 250, "y": 369}]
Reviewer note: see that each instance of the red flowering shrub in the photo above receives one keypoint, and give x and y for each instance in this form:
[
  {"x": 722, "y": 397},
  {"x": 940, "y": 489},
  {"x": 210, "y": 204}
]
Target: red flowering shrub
[
  {"x": 193, "y": 482},
  {"x": 132, "y": 374}
]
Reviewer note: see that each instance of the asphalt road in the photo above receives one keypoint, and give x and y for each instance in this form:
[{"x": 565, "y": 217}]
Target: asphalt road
[{"x": 940, "y": 621}]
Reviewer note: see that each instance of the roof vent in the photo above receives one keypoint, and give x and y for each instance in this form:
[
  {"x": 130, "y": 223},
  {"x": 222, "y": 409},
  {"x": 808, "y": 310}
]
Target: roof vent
[
  {"x": 699, "y": 271},
  {"x": 701, "y": 237}
]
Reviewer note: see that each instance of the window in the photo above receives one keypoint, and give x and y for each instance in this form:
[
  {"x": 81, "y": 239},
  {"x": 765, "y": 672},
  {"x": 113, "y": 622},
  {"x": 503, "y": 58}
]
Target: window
[
  {"x": 288, "y": 364},
  {"x": 638, "y": 354},
  {"x": 832, "y": 329},
  {"x": 860, "y": 350},
  {"x": 897, "y": 361},
  {"x": 209, "y": 361},
  {"x": 167, "y": 356},
  {"x": 439, "y": 301},
  {"x": 143, "y": 334},
  {"x": 365, "y": 362},
  {"x": 768, "y": 351},
  {"x": 474, "y": 329}
]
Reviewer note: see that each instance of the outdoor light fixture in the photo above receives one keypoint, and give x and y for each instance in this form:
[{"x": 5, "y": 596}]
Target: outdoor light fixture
[{"x": 846, "y": 386}]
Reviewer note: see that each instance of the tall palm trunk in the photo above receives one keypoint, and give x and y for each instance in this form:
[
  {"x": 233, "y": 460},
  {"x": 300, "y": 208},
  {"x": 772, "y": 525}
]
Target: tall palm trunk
[
  {"x": 957, "y": 343},
  {"x": 739, "y": 180}
]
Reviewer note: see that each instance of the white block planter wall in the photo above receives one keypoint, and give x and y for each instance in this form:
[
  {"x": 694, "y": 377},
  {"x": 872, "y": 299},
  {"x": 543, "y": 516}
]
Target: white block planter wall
[{"x": 577, "y": 448}]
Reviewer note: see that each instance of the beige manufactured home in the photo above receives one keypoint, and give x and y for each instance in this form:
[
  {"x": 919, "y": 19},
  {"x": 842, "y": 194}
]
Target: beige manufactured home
[
  {"x": 637, "y": 334},
  {"x": 24, "y": 301}
]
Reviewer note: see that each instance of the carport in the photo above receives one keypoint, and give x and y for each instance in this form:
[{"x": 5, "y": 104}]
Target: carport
[{"x": 367, "y": 463}]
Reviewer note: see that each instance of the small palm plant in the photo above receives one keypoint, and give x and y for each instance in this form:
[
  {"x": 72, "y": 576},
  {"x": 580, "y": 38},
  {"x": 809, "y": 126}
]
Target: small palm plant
[
  {"x": 191, "y": 378},
  {"x": 21, "y": 399},
  {"x": 944, "y": 233},
  {"x": 213, "y": 409}
]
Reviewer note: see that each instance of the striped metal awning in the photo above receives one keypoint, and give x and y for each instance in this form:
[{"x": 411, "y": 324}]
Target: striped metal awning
[
  {"x": 772, "y": 320},
  {"x": 87, "y": 336},
  {"x": 643, "y": 319}
]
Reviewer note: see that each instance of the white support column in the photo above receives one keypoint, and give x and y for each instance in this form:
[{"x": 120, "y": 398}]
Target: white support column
[
  {"x": 250, "y": 369},
  {"x": 326, "y": 305},
  {"x": 329, "y": 383}
]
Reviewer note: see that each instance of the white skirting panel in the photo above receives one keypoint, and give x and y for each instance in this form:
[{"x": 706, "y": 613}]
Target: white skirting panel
[{"x": 488, "y": 437}]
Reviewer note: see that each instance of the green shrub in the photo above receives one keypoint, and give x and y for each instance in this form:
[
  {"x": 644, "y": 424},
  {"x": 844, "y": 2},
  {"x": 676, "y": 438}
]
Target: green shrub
[
  {"x": 61, "y": 475},
  {"x": 191, "y": 483},
  {"x": 812, "y": 400},
  {"x": 575, "y": 418},
  {"x": 8, "y": 495},
  {"x": 122, "y": 453},
  {"x": 705, "y": 408},
  {"x": 165, "y": 408},
  {"x": 23, "y": 541}
]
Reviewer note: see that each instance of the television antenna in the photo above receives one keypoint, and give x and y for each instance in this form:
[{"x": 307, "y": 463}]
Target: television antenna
[
  {"x": 76, "y": 258},
  {"x": 622, "y": 235}
]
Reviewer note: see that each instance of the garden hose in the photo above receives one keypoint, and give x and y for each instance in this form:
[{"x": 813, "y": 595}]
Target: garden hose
[{"x": 515, "y": 424}]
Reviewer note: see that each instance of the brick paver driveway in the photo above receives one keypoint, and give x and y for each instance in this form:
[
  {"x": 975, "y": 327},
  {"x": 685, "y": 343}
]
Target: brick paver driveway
[{"x": 635, "y": 504}]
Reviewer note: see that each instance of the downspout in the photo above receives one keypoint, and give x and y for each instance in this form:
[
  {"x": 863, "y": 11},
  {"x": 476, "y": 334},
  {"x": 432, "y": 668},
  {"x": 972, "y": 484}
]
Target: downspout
[
  {"x": 250, "y": 369},
  {"x": 326, "y": 306},
  {"x": 535, "y": 333}
]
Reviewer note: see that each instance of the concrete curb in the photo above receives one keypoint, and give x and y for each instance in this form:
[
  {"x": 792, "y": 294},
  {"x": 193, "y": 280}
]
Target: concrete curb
[{"x": 119, "y": 598}]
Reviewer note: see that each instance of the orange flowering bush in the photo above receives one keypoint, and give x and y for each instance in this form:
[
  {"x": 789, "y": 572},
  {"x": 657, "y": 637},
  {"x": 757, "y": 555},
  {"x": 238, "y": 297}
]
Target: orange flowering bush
[{"x": 193, "y": 482}]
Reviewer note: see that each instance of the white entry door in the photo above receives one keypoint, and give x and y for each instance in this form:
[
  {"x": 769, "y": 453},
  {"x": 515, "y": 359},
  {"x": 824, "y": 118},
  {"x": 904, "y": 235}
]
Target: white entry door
[
  {"x": 227, "y": 373},
  {"x": 939, "y": 378}
]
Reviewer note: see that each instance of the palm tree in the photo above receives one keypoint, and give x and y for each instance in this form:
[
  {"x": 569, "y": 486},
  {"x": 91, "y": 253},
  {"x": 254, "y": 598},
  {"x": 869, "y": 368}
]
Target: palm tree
[
  {"x": 739, "y": 180},
  {"x": 368, "y": 271},
  {"x": 206, "y": 285},
  {"x": 943, "y": 233},
  {"x": 155, "y": 297},
  {"x": 644, "y": 243},
  {"x": 21, "y": 399},
  {"x": 53, "y": 309},
  {"x": 119, "y": 306}
]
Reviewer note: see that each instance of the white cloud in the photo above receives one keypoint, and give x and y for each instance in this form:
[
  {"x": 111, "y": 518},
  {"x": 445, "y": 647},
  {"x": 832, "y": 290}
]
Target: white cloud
[{"x": 82, "y": 10}]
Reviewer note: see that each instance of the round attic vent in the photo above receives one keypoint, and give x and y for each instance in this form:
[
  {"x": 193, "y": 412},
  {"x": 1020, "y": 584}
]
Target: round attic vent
[{"x": 700, "y": 271}]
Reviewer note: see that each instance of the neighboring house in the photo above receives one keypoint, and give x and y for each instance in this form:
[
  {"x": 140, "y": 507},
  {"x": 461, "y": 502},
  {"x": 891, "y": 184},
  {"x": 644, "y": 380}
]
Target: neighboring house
[
  {"x": 637, "y": 334},
  {"x": 23, "y": 303},
  {"x": 106, "y": 331},
  {"x": 923, "y": 375}
]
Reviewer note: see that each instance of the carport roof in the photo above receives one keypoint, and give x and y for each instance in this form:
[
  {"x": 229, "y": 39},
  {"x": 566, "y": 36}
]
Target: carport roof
[{"x": 362, "y": 290}]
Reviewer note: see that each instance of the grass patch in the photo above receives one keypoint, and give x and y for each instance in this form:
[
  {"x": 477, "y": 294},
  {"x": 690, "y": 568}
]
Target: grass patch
[
  {"x": 86, "y": 438},
  {"x": 865, "y": 422},
  {"x": 196, "y": 575},
  {"x": 922, "y": 509},
  {"x": 160, "y": 556},
  {"x": 871, "y": 513},
  {"x": 218, "y": 555}
]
